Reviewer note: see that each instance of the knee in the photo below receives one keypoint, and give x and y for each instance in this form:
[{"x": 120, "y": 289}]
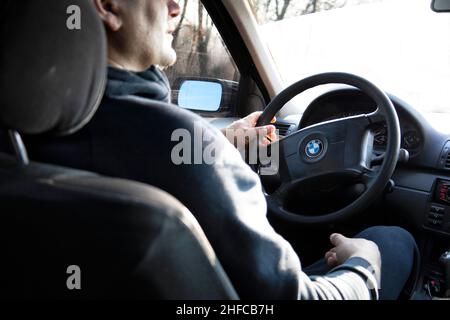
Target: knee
[
  {"x": 390, "y": 231},
  {"x": 399, "y": 258},
  {"x": 391, "y": 236},
  {"x": 401, "y": 235}
]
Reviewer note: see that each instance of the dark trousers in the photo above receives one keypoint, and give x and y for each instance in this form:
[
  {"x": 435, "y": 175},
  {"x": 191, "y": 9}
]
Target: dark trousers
[{"x": 399, "y": 259}]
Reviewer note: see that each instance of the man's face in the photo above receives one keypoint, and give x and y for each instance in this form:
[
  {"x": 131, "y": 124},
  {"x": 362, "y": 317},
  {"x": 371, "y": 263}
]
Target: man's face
[{"x": 147, "y": 29}]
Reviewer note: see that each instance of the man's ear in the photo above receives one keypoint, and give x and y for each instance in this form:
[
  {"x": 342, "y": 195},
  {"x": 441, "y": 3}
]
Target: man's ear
[{"x": 109, "y": 11}]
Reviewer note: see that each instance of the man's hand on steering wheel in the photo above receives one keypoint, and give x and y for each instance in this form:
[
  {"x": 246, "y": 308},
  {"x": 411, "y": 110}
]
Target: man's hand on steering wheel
[{"x": 246, "y": 128}]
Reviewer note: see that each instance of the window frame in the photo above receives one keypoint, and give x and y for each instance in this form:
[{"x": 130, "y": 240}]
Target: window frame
[{"x": 241, "y": 56}]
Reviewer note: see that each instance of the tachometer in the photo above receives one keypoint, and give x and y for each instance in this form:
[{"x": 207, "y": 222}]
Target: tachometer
[{"x": 380, "y": 135}]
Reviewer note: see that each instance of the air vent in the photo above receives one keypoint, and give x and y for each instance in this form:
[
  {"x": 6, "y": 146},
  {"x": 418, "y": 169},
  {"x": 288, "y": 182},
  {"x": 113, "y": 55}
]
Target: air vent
[
  {"x": 444, "y": 160},
  {"x": 283, "y": 128}
]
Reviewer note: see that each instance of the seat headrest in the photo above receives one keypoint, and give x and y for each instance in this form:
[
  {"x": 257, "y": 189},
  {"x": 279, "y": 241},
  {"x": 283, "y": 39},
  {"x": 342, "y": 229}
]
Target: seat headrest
[{"x": 52, "y": 74}]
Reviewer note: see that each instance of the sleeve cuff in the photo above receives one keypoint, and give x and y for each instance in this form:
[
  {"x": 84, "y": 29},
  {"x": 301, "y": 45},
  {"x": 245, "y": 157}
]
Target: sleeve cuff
[{"x": 366, "y": 271}]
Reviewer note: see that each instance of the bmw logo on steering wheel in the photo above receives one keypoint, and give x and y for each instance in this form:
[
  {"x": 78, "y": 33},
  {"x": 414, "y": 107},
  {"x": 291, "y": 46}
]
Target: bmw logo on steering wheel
[{"x": 314, "y": 148}]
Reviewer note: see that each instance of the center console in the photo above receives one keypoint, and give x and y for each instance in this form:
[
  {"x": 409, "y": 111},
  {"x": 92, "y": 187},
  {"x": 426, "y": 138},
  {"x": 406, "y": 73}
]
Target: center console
[
  {"x": 436, "y": 264},
  {"x": 438, "y": 215},
  {"x": 435, "y": 275},
  {"x": 421, "y": 202}
]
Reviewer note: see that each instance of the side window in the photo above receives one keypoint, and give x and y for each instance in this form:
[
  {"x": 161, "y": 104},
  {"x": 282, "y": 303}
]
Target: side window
[{"x": 204, "y": 78}]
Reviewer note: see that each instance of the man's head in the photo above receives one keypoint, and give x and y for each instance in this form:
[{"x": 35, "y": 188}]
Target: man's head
[{"x": 139, "y": 32}]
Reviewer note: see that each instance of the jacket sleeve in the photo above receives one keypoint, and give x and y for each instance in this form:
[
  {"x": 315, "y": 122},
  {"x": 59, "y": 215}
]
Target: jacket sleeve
[
  {"x": 260, "y": 263},
  {"x": 225, "y": 196}
]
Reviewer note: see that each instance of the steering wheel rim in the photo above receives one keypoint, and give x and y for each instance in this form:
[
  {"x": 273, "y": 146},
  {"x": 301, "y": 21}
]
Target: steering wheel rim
[{"x": 375, "y": 182}]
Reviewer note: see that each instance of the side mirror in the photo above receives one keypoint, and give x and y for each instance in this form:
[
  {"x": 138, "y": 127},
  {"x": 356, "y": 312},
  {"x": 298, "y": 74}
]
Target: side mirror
[
  {"x": 200, "y": 95},
  {"x": 440, "y": 5},
  {"x": 205, "y": 95}
]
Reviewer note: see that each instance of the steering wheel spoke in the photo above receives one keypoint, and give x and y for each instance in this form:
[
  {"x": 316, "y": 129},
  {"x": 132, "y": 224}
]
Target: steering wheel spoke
[
  {"x": 367, "y": 176},
  {"x": 376, "y": 117}
]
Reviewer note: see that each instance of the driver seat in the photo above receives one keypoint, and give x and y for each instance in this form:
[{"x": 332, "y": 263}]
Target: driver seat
[{"x": 70, "y": 234}]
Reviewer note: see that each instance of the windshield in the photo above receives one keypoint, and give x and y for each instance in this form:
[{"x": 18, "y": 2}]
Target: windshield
[{"x": 400, "y": 45}]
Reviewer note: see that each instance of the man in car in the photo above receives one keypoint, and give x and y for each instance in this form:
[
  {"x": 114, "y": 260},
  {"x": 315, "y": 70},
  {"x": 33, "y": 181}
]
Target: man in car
[{"x": 131, "y": 137}]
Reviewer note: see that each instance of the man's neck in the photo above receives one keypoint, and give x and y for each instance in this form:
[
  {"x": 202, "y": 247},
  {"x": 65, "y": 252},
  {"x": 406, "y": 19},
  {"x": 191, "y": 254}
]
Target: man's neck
[
  {"x": 117, "y": 61},
  {"x": 116, "y": 65}
]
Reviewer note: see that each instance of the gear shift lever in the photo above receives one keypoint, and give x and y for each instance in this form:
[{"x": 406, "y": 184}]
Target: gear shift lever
[{"x": 445, "y": 261}]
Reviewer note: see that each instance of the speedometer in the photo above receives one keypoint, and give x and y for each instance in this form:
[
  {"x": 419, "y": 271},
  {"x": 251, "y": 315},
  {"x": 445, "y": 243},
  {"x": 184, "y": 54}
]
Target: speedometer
[{"x": 411, "y": 140}]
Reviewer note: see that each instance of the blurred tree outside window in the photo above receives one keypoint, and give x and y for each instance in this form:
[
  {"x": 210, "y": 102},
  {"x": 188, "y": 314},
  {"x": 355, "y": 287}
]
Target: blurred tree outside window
[
  {"x": 199, "y": 46},
  {"x": 276, "y": 10}
]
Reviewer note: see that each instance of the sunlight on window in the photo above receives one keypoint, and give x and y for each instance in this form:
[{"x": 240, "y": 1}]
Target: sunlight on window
[{"x": 400, "y": 45}]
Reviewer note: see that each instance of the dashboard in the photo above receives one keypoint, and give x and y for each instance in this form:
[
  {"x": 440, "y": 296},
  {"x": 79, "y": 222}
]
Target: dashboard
[
  {"x": 350, "y": 102},
  {"x": 421, "y": 192},
  {"x": 420, "y": 195}
]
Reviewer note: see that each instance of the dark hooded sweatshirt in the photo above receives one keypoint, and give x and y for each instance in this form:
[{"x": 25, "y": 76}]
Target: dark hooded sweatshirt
[{"x": 131, "y": 137}]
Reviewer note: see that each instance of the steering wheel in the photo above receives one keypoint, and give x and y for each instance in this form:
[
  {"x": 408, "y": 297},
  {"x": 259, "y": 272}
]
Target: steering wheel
[{"x": 342, "y": 146}]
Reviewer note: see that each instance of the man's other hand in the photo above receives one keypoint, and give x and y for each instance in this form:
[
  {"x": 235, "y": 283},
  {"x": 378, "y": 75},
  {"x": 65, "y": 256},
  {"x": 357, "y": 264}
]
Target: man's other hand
[
  {"x": 247, "y": 127},
  {"x": 346, "y": 248}
]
